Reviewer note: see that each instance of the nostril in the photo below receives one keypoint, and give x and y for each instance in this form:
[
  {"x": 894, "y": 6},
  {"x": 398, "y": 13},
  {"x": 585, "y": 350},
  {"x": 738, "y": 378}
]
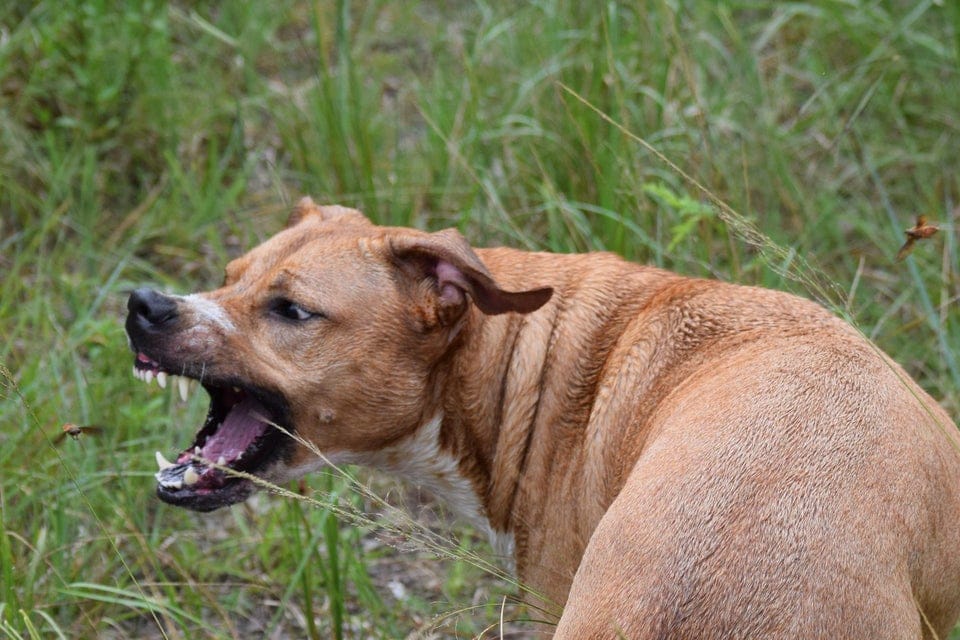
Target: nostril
[{"x": 152, "y": 306}]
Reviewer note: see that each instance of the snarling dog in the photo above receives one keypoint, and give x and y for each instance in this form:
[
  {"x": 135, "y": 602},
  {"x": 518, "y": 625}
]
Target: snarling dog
[{"x": 667, "y": 457}]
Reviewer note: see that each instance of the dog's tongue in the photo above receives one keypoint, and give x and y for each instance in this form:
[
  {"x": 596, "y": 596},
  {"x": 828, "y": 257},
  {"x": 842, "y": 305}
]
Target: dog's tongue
[{"x": 240, "y": 428}]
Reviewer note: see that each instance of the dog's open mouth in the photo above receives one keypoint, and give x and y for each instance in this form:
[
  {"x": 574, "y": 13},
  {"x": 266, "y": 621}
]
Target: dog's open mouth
[{"x": 238, "y": 434}]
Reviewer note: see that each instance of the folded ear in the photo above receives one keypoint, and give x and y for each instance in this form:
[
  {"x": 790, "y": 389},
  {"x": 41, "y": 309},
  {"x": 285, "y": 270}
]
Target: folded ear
[
  {"x": 307, "y": 208},
  {"x": 455, "y": 271}
]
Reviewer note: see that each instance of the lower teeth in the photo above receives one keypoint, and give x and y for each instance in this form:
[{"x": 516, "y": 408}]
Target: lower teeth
[
  {"x": 190, "y": 477},
  {"x": 168, "y": 484}
]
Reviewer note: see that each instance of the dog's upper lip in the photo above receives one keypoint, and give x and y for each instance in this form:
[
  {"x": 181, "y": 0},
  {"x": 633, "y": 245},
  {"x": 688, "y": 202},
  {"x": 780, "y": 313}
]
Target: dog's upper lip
[{"x": 146, "y": 369}]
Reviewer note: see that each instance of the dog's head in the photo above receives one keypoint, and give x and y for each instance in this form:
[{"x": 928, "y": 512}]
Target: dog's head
[{"x": 332, "y": 330}]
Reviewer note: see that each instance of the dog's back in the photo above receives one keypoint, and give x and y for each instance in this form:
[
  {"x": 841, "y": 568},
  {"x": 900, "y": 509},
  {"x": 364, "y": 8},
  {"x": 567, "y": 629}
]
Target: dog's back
[{"x": 791, "y": 482}]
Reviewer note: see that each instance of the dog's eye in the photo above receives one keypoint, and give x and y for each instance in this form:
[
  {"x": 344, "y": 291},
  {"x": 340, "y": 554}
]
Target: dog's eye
[{"x": 290, "y": 310}]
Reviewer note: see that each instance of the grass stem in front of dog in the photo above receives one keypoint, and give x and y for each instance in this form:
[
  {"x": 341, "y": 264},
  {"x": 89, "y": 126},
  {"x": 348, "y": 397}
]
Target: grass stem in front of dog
[
  {"x": 301, "y": 528},
  {"x": 334, "y": 583}
]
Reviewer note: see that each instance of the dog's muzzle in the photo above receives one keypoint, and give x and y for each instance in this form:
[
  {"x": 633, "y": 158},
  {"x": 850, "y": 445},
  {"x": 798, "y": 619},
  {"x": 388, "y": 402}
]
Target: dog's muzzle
[{"x": 239, "y": 433}]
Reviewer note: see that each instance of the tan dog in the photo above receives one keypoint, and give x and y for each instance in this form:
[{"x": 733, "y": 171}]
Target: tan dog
[{"x": 669, "y": 457}]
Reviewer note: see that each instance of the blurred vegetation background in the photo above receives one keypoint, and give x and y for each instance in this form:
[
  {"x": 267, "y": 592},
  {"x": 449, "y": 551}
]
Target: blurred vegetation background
[{"x": 786, "y": 144}]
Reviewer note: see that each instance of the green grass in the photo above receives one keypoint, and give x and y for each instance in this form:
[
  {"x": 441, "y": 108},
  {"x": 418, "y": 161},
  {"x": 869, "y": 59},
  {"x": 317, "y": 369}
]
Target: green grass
[{"x": 785, "y": 144}]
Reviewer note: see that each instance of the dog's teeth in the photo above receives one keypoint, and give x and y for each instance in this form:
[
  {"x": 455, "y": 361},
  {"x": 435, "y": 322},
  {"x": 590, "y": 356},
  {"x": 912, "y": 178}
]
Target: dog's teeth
[
  {"x": 221, "y": 461},
  {"x": 136, "y": 374},
  {"x": 166, "y": 482},
  {"x": 183, "y": 386},
  {"x": 236, "y": 389},
  {"x": 162, "y": 462},
  {"x": 196, "y": 451},
  {"x": 162, "y": 379},
  {"x": 176, "y": 484},
  {"x": 190, "y": 476},
  {"x": 148, "y": 376}
]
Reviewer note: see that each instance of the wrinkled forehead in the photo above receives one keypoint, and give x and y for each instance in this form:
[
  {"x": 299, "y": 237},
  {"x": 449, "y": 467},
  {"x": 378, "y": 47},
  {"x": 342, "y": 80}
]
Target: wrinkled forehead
[{"x": 309, "y": 248}]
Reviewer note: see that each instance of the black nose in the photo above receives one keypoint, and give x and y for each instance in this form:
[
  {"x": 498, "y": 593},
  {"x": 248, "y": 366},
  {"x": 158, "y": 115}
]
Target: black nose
[{"x": 150, "y": 309}]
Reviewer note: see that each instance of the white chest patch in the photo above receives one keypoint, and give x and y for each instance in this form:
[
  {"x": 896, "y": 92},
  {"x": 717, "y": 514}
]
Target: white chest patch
[
  {"x": 504, "y": 547},
  {"x": 419, "y": 460}
]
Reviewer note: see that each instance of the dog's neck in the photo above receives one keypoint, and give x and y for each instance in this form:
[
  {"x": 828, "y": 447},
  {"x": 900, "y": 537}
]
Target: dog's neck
[
  {"x": 507, "y": 441},
  {"x": 495, "y": 407}
]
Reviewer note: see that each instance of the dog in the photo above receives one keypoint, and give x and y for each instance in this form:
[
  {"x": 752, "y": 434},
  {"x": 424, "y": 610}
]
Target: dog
[{"x": 663, "y": 456}]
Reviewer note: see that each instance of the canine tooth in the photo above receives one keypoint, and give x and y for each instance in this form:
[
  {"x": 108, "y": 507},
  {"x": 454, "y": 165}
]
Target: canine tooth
[
  {"x": 162, "y": 462},
  {"x": 190, "y": 476},
  {"x": 162, "y": 379},
  {"x": 196, "y": 451},
  {"x": 148, "y": 376},
  {"x": 221, "y": 461},
  {"x": 135, "y": 374},
  {"x": 183, "y": 386}
]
